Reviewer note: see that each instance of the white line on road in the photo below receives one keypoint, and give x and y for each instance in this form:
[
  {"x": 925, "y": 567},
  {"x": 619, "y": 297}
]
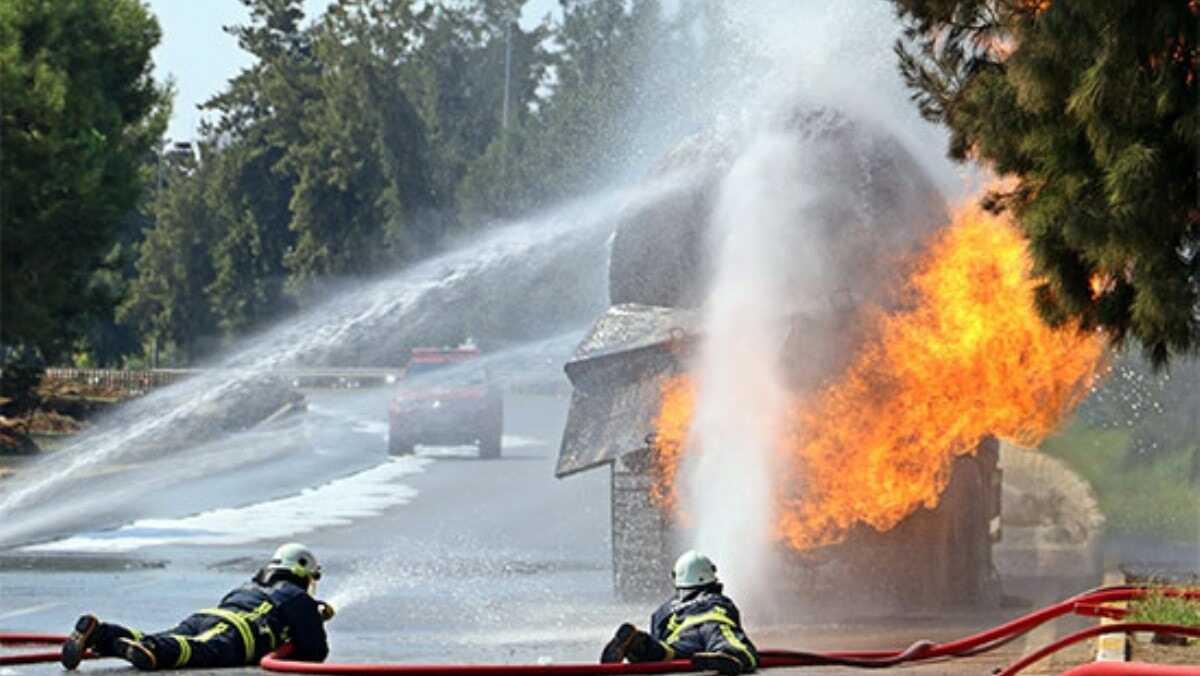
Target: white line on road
[
  {"x": 141, "y": 585},
  {"x": 30, "y": 610}
]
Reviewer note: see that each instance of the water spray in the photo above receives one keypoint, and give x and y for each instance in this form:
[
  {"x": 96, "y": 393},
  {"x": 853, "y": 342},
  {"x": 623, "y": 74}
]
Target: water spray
[
  {"x": 759, "y": 229},
  {"x": 361, "y": 324}
]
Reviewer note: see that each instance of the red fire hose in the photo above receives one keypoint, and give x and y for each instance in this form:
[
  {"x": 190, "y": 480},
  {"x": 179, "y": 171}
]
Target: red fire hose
[
  {"x": 1088, "y": 603},
  {"x": 32, "y": 639},
  {"x": 275, "y": 662},
  {"x": 1097, "y": 631}
]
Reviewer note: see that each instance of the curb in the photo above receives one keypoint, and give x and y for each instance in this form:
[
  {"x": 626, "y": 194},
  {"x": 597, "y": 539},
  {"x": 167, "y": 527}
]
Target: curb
[{"x": 1112, "y": 647}]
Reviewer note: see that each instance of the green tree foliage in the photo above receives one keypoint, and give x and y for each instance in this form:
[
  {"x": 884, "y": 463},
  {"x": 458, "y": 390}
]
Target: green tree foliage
[
  {"x": 1091, "y": 108},
  {"x": 80, "y": 113},
  {"x": 260, "y": 116},
  {"x": 249, "y": 200},
  {"x": 356, "y": 142},
  {"x": 107, "y": 342},
  {"x": 166, "y": 301},
  {"x": 458, "y": 83},
  {"x": 363, "y": 196},
  {"x": 23, "y": 370},
  {"x": 330, "y": 155},
  {"x": 320, "y": 163},
  {"x": 1157, "y": 408},
  {"x": 576, "y": 138}
]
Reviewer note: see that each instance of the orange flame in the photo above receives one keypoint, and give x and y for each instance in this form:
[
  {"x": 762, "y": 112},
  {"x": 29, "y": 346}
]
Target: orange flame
[
  {"x": 671, "y": 427},
  {"x": 1101, "y": 284},
  {"x": 967, "y": 357}
]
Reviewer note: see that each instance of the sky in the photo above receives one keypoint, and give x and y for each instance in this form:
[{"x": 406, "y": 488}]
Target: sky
[{"x": 201, "y": 58}]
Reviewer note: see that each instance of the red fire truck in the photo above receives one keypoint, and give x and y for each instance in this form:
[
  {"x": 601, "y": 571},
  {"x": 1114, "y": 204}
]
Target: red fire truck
[{"x": 446, "y": 398}]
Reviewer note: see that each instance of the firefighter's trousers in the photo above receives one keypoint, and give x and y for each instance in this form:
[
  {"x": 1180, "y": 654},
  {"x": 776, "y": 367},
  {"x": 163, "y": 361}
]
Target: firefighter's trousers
[
  {"x": 199, "y": 641},
  {"x": 699, "y": 637}
]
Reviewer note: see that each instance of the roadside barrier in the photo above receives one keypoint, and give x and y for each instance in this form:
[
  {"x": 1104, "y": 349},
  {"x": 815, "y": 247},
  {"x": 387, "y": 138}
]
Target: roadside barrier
[
  {"x": 147, "y": 379},
  {"x": 1090, "y": 603},
  {"x": 119, "y": 378}
]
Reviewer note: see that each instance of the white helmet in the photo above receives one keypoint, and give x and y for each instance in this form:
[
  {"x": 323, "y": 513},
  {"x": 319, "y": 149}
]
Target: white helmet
[
  {"x": 693, "y": 569},
  {"x": 297, "y": 560}
]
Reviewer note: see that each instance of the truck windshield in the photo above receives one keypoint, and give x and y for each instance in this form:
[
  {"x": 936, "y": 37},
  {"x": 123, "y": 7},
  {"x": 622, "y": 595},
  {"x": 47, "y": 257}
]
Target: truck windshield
[{"x": 456, "y": 372}]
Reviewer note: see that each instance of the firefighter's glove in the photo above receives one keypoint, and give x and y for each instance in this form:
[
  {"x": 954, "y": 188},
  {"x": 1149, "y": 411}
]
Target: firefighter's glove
[{"x": 326, "y": 610}]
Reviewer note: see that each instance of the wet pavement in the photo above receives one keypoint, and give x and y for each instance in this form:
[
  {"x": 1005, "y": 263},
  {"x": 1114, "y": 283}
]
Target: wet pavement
[{"x": 443, "y": 559}]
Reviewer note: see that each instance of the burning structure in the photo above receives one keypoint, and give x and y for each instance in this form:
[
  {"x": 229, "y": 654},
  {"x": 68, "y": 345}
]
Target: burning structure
[{"x": 898, "y": 358}]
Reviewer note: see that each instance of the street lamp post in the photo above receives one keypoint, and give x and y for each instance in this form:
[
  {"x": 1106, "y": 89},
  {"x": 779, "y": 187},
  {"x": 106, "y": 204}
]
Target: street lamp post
[
  {"x": 507, "y": 70},
  {"x": 158, "y": 196},
  {"x": 177, "y": 149},
  {"x": 510, "y": 20}
]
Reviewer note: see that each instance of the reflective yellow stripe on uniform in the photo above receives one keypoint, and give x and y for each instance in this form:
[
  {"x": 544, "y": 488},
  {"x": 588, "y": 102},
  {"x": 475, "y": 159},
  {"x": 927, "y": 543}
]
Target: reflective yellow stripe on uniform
[
  {"x": 264, "y": 629},
  {"x": 218, "y": 628},
  {"x": 262, "y": 609},
  {"x": 717, "y": 615},
  {"x": 185, "y": 651},
  {"x": 238, "y": 621},
  {"x": 672, "y": 625},
  {"x": 733, "y": 640},
  {"x": 670, "y": 652}
]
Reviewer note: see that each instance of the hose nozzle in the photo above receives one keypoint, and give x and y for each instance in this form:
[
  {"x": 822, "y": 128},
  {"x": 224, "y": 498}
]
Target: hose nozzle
[{"x": 326, "y": 610}]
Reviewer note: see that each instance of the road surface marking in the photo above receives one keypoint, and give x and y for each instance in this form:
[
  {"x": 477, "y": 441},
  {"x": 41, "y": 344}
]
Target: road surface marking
[{"x": 30, "y": 610}]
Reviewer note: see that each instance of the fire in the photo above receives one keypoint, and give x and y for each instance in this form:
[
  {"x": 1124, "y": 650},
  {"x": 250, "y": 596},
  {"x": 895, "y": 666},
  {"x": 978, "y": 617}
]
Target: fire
[
  {"x": 671, "y": 427},
  {"x": 1102, "y": 284},
  {"x": 966, "y": 357}
]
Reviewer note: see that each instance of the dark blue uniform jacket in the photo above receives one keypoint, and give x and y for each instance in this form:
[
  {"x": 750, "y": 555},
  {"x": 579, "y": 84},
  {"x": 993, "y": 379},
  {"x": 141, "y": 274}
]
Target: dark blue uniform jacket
[
  {"x": 277, "y": 614},
  {"x": 703, "y": 621}
]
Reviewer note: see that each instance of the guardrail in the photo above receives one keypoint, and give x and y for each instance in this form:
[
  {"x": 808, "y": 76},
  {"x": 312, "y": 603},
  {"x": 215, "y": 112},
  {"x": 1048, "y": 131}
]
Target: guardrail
[
  {"x": 332, "y": 377},
  {"x": 118, "y": 378},
  {"x": 150, "y": 378}
]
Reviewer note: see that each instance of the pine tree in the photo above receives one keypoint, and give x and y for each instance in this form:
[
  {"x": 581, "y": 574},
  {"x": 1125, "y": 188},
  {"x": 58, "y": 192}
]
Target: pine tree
[
  {"x": 167, "y": 300},
  {"x": 363, "y": 196},
  {"x": 458, "y": 79},
  {"x": 260, "y": 115},
  {"x": 1091, "y": 109},
  {"x": 80, "y": 114},
  {"x": 578, "y": 137}
]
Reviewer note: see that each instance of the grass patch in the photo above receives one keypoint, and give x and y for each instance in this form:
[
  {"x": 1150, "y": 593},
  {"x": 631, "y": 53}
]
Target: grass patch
[
  {"x": 1150, "y": 496},
  {"x": 1159, "y": 608}
]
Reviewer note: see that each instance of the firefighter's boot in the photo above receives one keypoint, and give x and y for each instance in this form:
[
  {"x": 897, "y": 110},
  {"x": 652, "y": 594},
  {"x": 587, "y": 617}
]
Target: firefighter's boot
[
  {"x": 137, "y": 654},
  {"x": 726, "y": 665},
  {"x": 618, "y": 647},
  {"x": 630, "y": 643},
  {"x": 79, "y": 641}
]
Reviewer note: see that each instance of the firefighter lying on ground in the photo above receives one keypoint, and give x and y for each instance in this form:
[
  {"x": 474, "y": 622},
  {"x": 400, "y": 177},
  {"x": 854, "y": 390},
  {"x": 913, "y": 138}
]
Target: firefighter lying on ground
[
  {"x": 275, "y": 607},
  {"x": 699, "y": 623}
]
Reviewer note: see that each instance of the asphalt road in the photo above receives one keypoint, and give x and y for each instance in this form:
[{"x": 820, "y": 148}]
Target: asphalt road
[{"x": 442, "y": 558}]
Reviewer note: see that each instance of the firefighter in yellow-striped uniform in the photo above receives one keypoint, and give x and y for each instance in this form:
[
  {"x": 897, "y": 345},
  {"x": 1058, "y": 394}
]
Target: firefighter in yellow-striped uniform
[
  {"x": 275, "y": 607},
  {"x": 699, "y": 623}
]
